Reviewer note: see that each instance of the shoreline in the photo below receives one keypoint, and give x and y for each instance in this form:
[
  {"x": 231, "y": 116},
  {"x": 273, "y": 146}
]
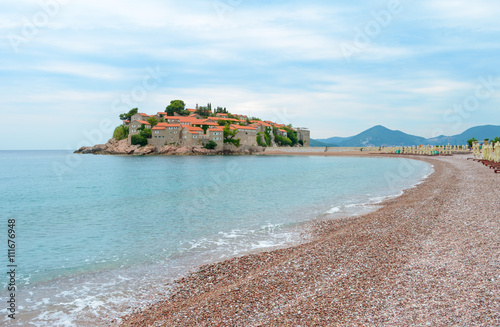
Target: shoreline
[{"x": 362, "y": 270}]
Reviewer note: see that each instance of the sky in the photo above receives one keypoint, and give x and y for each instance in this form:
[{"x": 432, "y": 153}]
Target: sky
[{"x": 70, "y": 67}]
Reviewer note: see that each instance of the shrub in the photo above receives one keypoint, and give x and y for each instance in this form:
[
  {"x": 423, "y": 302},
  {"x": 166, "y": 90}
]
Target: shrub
[
  {"x": 283, "y": 141},
  {"x": 471, "y": 141},
  {"x": 259, "y": 140},
  {"x": 210, "y": 145},
  {"x": 267, "y": 137},
  {"x": 139, "y": 140},
  {"x": 120, "y": 133},
  {"x": 146, "y": 133}
]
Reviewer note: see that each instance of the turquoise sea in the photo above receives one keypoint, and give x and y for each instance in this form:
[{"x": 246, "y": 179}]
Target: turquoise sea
[{"x": 97, "y": 236}]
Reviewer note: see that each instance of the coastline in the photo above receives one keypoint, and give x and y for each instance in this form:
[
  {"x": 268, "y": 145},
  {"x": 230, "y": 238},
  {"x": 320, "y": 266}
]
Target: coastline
[{"x": 426, "y": 256}]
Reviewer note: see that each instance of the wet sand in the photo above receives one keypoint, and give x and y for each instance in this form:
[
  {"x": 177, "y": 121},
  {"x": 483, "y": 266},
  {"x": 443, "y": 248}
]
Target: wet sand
[{"x": 429, "y": 257}]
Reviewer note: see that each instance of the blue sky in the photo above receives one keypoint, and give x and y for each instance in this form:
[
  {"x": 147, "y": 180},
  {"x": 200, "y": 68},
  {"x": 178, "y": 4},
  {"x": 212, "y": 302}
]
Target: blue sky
[{"x": 70, "y": 67}]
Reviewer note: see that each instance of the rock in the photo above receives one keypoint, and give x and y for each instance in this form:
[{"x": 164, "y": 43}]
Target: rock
[
  {"x": 85, "y": 150},
  {"x": 167, "y": 149},
  {"x": 100, "y": 147},
  {"x": 183, "y": 151},
  {"x": 201, "y": 150},
  {"x": 123, "y": 147},
  {"x": 148, "y": 149},
  {"x": 120, "y": 147}
]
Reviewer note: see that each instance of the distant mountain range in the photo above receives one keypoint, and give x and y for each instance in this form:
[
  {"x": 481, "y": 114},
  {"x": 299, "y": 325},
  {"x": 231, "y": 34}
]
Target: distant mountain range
[{"x": 382, "y": 136}]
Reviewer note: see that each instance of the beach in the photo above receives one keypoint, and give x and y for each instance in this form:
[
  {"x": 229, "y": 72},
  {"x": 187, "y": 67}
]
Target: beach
[{"x": 428, "y": 257}]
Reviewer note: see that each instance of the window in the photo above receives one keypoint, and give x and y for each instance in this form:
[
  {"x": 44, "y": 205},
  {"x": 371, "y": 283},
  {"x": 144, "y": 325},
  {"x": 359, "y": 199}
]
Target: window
[
  {"x": 195, "y": 136},
  {"x": 157, "y": 132}
]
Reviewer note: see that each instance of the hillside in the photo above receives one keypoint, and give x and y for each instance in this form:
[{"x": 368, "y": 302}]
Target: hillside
[
  {"x": 318, "y": 143},
  {"x": 382, "y": 136},
  {"x": 478, "y": 132}
]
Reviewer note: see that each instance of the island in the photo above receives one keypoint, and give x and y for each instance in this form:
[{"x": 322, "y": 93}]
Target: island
[{"x": 199, "y": 131}]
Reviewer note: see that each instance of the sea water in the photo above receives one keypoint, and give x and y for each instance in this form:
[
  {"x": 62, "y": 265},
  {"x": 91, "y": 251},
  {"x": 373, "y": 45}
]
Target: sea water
[{"x": 98, "y": 236}]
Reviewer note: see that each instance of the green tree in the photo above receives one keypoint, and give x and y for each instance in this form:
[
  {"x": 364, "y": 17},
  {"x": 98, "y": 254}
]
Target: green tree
[
  {"x": 138, "y": 140},
  {"x": 221, "y": 122},
  {"x": 146, "y": 133},
  {"x": 177, "y": 106},
  {"x": 471, "y": 141},
  {"x": 229, "y": 135},
  {"x": 496, "y": 139},
  {"x": 259, "y": 140},
  {"x": 120, "y": 133},
  {"x": 203, "y": 111},
  {"x": 210, "y": 145},
  {"x": 153, "y": 121},
  {"x": 292, "y": 135},
  {"x": 267, "y": 137},
  {"x": 128, "y": 115}
]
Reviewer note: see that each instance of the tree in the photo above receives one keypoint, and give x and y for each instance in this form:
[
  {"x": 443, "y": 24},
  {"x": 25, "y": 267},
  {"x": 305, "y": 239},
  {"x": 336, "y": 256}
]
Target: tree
[
  {"x": 203, "y": 111},
  {"x": 292, "y": 135},
  {"x": 496, "y": 139},
  {"x": 229, "y": 135},
  {"x": 210, "y": 145},
  {"x": 267, "y": 137},
  {"x": 153, "y": 121},
  {"x": 120, "y": 133},
  {"x": 282, "y": 140},
  {"x": 471, "y": 141},
  {"x": 259, "y": 140},
  {"x": 146, "y": 133},
  {"x": 221, "y": 122},
  {"x": 138, "y": 140},
  {"x": 177, "y": 106},
  {"x": 128, "y": 115}
]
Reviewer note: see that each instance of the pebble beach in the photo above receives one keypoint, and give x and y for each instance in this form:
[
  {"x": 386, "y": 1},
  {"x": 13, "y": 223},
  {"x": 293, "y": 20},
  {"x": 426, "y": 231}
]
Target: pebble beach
[{"x": 430, "y": 257}]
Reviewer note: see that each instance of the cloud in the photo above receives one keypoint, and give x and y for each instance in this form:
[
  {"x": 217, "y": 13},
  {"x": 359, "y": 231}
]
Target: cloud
[{"x": 279, "y": 60}]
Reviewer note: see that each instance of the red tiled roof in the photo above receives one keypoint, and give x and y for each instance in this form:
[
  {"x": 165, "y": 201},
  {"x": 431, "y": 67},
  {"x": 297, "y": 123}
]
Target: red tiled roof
[
  {"x": 143, "y": 122},
  {"x": 194, "y": 129},
  {"x": 161, "y": 126},
  {"x": 143, "y": 115},
  {"x": 263, "y": 123},
  {"x": 243, "y": 127},
  {"x": 282, "y": 130},
  {"x": 209, "y": 123},
  {"x": 224, "y": 119},
  {"x": 191, "y": 110},
  {"x": 216, "y": 129}
]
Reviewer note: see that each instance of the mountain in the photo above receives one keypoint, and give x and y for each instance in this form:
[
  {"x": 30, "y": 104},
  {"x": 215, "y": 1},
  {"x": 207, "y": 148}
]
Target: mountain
[
  {"x": 479, "y": 133},
  {"x": 334, "y": 140},
  {"x": 382, "y": 136},
  {"x": 318, "y": 143}
]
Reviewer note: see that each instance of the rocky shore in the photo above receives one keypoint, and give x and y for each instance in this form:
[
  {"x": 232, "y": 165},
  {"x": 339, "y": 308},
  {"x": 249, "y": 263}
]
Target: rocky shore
[
  {"x": 114, "y": 147},
  {"x": 429, "y": 257}
]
